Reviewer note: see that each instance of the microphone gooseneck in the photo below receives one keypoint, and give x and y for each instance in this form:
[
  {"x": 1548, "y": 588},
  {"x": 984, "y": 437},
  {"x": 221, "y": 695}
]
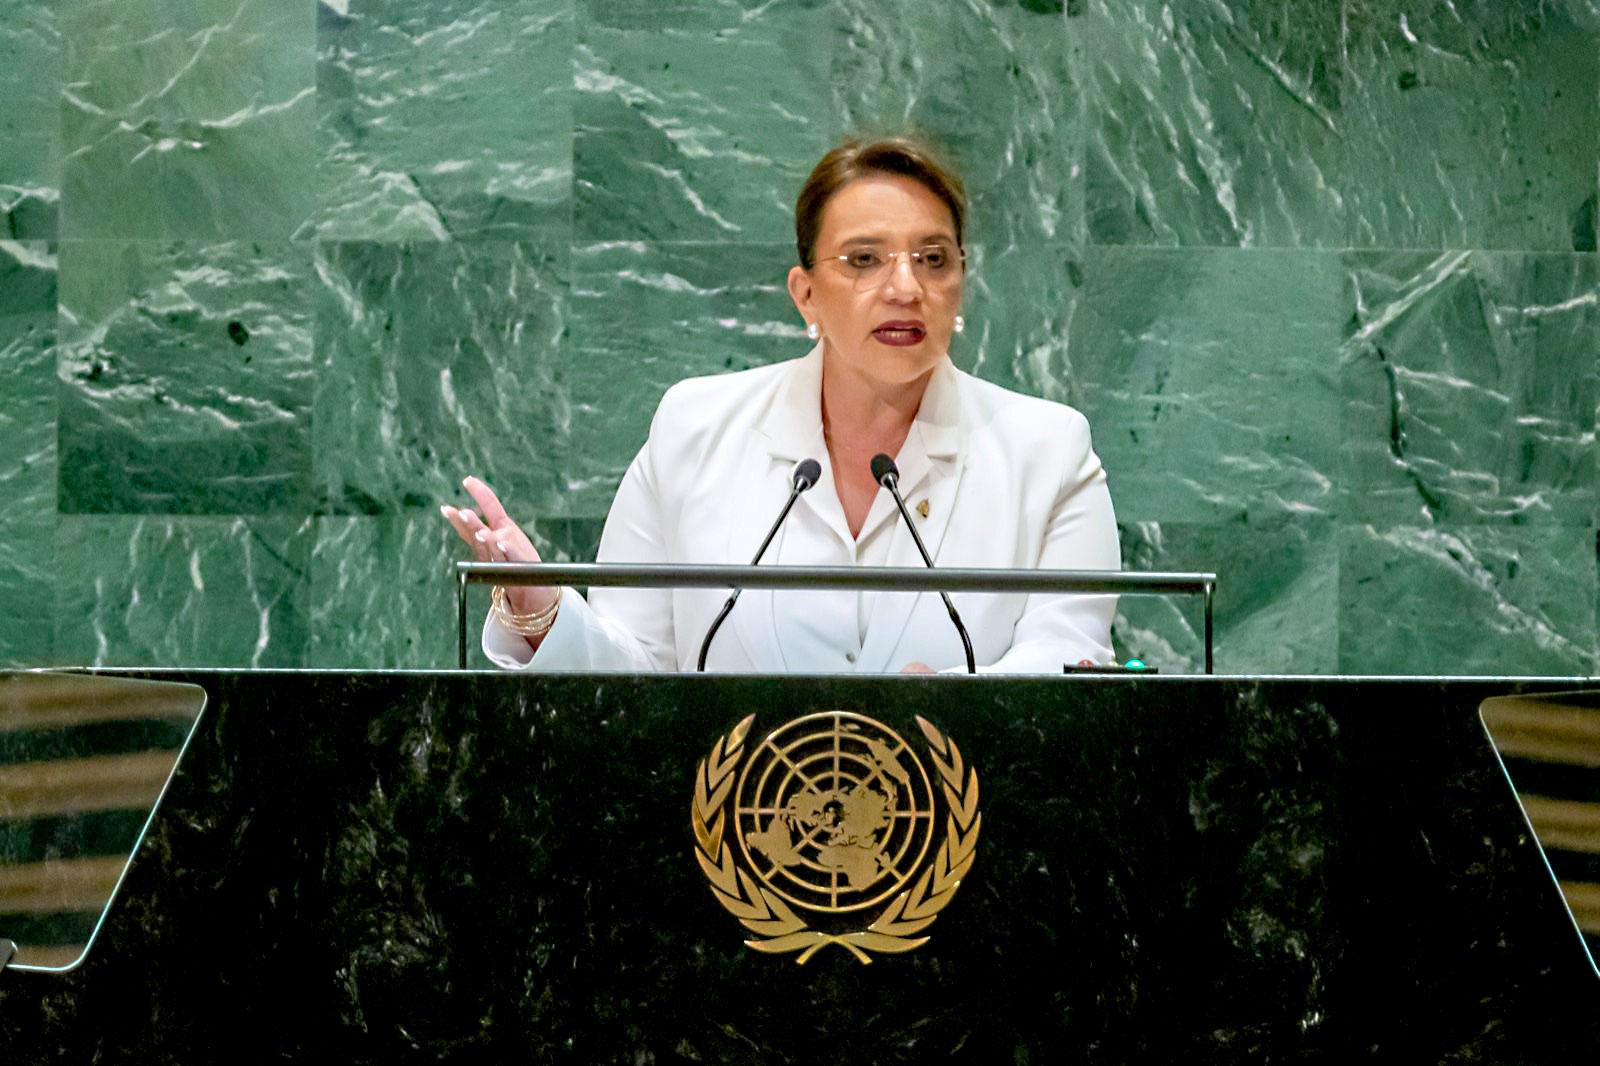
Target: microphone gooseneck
[
  {"x": 885, "y": 473},
  {"x": 806, "y": 473}
]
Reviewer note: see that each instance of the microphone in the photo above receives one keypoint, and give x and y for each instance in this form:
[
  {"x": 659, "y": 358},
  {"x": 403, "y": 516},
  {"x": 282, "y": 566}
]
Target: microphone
[
  {"x": 885, "y": 473},
  {"x": 806, "y": 473}
]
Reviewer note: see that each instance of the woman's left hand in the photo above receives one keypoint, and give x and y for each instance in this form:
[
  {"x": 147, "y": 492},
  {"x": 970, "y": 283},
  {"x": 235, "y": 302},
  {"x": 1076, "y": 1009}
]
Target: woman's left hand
[{"x": 495, "y": 538}]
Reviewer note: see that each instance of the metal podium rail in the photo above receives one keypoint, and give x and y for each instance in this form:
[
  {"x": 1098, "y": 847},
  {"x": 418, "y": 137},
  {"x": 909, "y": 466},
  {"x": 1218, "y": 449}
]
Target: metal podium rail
[{"x": 879, "y": 579}]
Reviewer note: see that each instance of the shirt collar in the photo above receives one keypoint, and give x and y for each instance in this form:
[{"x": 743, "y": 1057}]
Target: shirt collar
[
  {"x": 939, "y": 418},
  {"x": 793, "y": 422}
]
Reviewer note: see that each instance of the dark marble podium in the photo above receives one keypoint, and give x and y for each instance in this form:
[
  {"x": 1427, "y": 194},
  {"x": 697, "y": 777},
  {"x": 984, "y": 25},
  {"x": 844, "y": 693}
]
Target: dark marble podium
[{"x": 479, "y": 868}]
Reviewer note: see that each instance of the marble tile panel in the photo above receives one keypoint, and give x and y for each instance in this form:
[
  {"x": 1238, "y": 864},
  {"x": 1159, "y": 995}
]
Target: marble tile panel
[
  {"x": 991, "y": 82},
  {"x": 1277, "y": 599},
  {"x": 1466, "y": 600},
  {"x": 1469, "y": 381},
  {"x": 706, "y": 127},
  {"x": 443, "y": 119},
  {"x": 1019, "y": 304},
  {"x": 435, "y": 361},
  {"x": 1213, "y": 123},
  {"x": 645, "y": 316},
  {"x": 696, "y": 119},
  {"x": 28, "y": 280},
  {"x": 27, "y": 598},
  {"x": 27, "y": 450},
  {"x": 383, "y": 595},
  {"x": 574, "y": 540},
  {"x": 187, "y": 118},
  {"x": 1209, "y": 401},
  {"x": 30, "y": 121},
  {"x": 185, "y": 377},
  {"x": 1471, "y": 124},
  {"x": 156, "y": 590}
]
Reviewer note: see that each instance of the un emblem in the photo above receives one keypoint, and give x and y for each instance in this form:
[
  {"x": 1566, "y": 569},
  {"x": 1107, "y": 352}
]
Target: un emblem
[{"x": 834, "y": 814}]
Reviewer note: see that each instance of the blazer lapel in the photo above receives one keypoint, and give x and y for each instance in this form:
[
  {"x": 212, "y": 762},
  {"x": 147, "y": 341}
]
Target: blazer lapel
[
  {"x": 934, "y": 457},
  {"x": 758, "y": 500},
  {"x": 788, "y": 431}
]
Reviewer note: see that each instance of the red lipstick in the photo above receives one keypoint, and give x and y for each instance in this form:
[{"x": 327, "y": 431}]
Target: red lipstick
[{"x": 900, "y": 334}]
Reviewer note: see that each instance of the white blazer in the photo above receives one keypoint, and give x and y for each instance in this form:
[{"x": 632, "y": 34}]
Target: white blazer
[{"x": 1008, "y": 481}]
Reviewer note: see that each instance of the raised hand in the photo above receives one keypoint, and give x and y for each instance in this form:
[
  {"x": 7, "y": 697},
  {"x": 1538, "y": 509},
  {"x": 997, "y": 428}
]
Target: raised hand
[{"x": 495, "y": 538}]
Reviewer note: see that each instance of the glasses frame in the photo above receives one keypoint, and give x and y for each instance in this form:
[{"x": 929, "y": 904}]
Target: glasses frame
[{"x": 866, "y": 282}]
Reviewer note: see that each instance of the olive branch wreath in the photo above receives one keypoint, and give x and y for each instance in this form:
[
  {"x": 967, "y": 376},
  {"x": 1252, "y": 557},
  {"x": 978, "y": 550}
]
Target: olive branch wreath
[{"x": 778, "y": 929}]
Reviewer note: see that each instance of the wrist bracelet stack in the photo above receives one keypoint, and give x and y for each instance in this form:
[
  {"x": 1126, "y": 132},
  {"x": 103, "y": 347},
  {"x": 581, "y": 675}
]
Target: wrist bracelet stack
[{"x": 526, "y": 625}]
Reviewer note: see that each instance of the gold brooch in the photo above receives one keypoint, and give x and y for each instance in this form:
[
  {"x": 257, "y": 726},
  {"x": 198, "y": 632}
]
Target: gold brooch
[{"x": 834, "y": 815}]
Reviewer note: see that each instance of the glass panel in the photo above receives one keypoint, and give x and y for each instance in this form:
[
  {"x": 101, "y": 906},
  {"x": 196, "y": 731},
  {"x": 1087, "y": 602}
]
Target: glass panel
[
  {"x": 84, "y": 760},
  {"x": 1549, "y": 746}
]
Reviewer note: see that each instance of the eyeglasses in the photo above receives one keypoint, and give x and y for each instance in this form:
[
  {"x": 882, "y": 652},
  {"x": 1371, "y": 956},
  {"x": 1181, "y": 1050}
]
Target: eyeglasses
[{"x": 934, "y": 265}]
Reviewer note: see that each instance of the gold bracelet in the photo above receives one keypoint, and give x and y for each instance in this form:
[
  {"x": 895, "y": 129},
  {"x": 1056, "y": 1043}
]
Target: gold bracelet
[{"x": 526, "y": 625}]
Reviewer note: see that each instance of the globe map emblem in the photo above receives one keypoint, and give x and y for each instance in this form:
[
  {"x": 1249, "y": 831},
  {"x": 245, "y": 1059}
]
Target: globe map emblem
[{"x": 834, "y": 811}]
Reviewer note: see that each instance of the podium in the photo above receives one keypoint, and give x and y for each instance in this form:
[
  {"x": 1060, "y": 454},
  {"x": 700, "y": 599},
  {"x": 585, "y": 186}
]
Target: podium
[{"x": 483, "y": 867}]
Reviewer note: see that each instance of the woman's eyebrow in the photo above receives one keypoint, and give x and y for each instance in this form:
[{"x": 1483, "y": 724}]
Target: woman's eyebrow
[{"x": 940, "y": 237}]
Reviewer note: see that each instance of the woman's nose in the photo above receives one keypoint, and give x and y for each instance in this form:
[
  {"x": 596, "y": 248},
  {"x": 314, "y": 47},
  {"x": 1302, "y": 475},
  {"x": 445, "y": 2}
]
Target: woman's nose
[{"x": 902, "y": 279}]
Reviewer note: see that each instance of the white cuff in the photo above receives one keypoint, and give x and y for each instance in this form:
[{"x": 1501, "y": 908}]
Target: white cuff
[{"x": 562, "y": 643}]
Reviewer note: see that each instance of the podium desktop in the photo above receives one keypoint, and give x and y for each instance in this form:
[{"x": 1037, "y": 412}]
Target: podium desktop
[{"x": 470, "y": 866}]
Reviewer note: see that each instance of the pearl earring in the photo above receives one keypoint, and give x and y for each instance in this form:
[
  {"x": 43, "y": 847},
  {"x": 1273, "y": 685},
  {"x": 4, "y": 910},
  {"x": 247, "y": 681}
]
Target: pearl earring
[
  {"x": 961, "y": 324},
  {"x": 813, "y": 331}
]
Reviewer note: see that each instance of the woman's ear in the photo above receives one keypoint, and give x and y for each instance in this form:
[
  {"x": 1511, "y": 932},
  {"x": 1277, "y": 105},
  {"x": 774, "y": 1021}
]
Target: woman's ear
[{"x": 800, "y": 291}]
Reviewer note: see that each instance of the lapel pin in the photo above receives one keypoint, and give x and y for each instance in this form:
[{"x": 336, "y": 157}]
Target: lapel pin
[{"x": 922, "y": 508}]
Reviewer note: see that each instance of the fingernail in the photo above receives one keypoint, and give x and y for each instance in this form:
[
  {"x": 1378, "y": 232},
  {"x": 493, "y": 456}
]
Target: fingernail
[
  {"x": 445, "y": 509},
  {"x": 482, "y": 535}
]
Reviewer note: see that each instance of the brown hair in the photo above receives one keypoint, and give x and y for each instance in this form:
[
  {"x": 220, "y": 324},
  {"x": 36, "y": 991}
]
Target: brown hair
[{"x": 854, "y": 159}]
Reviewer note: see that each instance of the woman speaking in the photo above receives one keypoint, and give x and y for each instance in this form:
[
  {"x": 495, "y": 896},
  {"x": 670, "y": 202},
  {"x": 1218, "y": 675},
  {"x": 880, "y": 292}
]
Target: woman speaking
[{"x": 992, "y": 478}]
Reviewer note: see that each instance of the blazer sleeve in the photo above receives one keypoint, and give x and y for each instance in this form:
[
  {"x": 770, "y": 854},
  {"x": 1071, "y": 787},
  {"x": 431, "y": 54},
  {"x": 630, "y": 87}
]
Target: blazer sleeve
[
  {"x": 1081, "y": 534},
  {"x": 615, "y": 630}
]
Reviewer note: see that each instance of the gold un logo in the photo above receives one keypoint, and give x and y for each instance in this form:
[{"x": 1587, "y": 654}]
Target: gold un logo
[{"x": 833, "y": 816}]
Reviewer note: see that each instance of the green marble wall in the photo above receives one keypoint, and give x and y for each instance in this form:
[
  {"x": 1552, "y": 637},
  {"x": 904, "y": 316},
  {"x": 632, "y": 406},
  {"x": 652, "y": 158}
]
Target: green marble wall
[{"x": 273, "y": 276}]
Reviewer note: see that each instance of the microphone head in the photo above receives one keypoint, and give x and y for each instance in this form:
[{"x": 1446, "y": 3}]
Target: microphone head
[
  {"x": 807, "y": 472},
  {"x": 883, "y": 467}
]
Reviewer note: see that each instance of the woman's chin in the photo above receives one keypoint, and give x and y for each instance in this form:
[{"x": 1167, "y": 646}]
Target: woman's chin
[
  {"x": 903, "y": 366},
  {"x": 892, "y": 364}
]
